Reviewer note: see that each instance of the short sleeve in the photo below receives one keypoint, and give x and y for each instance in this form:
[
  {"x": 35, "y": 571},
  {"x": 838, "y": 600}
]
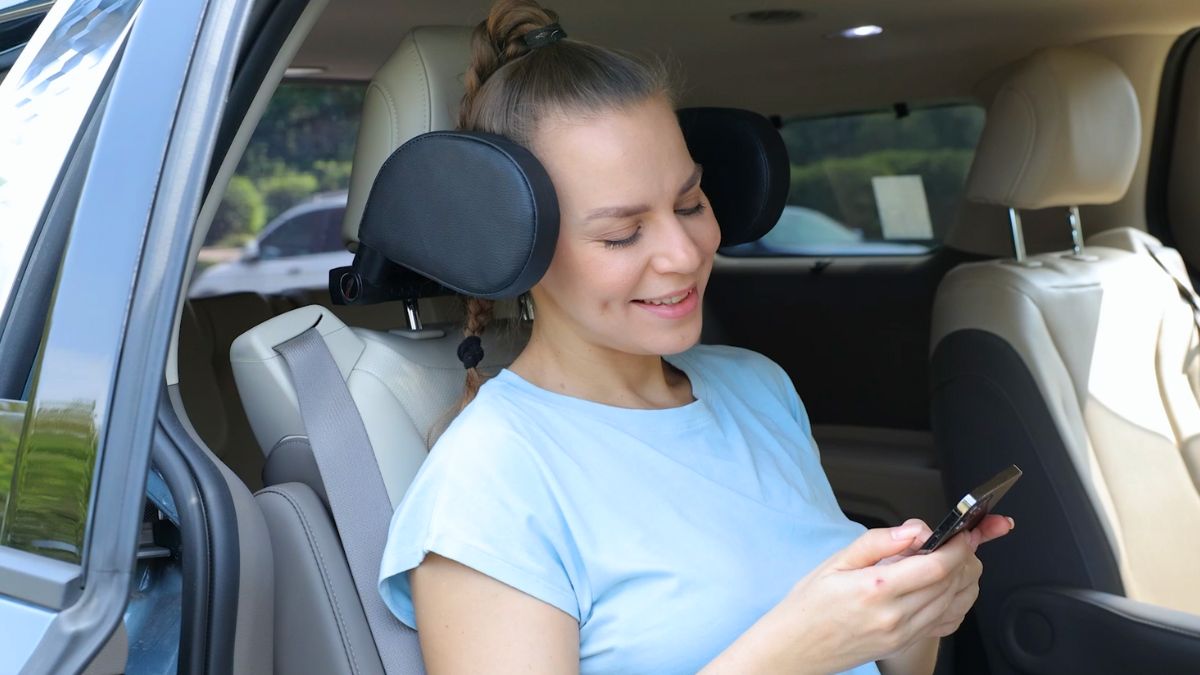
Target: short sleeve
[
  {"x": 483, "y": 500},
  {"x": 781, "y": 383}
]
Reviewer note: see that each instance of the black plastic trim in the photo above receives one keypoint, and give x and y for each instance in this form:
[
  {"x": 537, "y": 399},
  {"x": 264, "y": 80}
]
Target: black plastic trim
[
  {"x": 1162, "y": 142},
  {"x": 987, "y": 412},
  {"x": 211, "y": 553}
]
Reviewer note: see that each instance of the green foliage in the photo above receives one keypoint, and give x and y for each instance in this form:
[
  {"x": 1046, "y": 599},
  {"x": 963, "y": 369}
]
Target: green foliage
[
  {"x": 285, "y": 190},
  {"x": 332, "y": 174},
  {"x": 241, "y": 211},
  {"x": 303, "y": 144}
]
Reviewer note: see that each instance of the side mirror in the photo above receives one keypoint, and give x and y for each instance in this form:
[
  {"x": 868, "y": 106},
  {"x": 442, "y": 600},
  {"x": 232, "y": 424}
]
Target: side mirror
[{"x": 251, "y": 252}]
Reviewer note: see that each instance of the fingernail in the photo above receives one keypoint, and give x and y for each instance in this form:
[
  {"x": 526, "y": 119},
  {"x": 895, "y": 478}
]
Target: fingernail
[
  {"x": 1011, "y": 523},
  {"x": 907, "y": 532}
]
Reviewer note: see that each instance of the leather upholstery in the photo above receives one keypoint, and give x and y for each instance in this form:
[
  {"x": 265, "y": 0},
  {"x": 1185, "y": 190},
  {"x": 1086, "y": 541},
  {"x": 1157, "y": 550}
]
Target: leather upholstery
[
  {"x": 746, "y": 169},
  {"x": 402, "y": 386},
  {"x": 417, "y": 90},
  {"x": 315, "y": 632},
  {"x": 1083, "y": 369},
  {"x": 474, "y": 212},
  {"x": 1062, "y": 131}
]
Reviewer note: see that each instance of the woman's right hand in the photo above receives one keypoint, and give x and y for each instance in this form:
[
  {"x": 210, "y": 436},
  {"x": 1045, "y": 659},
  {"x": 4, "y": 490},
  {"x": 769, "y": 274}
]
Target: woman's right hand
[{"x": 851, "y": 610}]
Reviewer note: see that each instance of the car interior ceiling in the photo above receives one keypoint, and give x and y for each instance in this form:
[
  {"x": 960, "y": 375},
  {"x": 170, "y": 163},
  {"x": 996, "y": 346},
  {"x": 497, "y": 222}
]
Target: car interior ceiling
[{"x": 853, "y": 332}]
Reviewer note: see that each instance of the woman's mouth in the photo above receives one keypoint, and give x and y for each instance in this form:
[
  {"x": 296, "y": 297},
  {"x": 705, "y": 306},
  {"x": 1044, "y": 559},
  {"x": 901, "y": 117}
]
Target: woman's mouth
[{"x": 672, "y": 306}]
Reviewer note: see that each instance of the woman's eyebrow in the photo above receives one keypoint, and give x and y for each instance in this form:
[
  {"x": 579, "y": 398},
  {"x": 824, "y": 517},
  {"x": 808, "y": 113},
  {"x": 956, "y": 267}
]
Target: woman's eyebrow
[
  {"x": 692, "y": 180},
  {"x": 629, "y": 211}
]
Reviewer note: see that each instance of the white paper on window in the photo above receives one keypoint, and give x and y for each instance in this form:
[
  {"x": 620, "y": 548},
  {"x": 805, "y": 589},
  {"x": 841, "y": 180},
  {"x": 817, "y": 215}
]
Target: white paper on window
[{"x": 903, "y": 209}]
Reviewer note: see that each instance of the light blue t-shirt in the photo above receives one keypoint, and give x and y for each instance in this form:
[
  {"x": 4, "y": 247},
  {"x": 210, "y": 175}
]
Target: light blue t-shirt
[{"x": 665, "y": 533}]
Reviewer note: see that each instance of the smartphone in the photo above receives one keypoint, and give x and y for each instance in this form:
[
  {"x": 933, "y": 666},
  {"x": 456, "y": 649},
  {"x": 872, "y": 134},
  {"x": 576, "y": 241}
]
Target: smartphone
[{"x": 972, "y": 508}]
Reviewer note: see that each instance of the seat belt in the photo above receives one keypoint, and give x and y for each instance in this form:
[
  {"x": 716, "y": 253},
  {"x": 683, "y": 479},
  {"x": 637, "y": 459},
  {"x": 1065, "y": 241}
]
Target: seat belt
[
  {"x": 1189, "y": 296},
  {"x": 359, "y": 501}
]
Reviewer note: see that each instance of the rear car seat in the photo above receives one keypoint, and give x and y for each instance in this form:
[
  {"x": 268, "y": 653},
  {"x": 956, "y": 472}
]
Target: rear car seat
[{"x": 1080, "y": 367}]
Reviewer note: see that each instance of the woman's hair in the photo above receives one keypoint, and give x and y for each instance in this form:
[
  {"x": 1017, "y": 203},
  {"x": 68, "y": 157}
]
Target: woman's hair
[{"x": 511, "y": 88}]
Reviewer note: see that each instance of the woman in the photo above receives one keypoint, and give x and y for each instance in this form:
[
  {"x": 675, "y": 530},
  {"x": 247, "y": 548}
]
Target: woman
[{"x": 621, "y": 499}]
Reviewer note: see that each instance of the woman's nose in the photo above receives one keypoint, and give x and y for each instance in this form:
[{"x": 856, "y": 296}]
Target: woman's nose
[{"x": 677, "y": 249}]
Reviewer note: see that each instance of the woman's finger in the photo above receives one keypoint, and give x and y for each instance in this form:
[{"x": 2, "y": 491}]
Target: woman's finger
[{"x": 993, "y": 527}]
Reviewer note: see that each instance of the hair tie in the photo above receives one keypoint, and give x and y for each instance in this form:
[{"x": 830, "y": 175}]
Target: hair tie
[
  {"x": 546, "y": 35},
  {"x": 470, "y": 351}
]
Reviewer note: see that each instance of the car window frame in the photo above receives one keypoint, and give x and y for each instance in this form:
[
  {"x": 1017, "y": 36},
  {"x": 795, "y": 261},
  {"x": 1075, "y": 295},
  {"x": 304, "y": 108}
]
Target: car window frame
[{"x": 138, "y": 267}]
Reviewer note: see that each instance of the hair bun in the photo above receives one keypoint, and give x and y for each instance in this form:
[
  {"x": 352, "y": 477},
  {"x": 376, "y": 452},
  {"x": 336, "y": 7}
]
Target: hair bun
[{"x": 499, "y": 39}]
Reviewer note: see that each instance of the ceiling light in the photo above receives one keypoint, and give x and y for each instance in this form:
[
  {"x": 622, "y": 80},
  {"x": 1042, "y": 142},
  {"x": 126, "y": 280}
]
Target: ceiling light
[
  {"x": 767, "y": 17},
  {"x": 858, "y": 32},
  {"x": 303, "y": 71}
]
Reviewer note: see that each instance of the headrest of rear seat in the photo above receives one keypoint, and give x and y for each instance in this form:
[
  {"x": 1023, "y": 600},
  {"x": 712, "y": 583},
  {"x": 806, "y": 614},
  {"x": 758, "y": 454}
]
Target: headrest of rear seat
[
  {"x": 477, "y": 213},
  {"x": 1063, "y": 130},
  {"x": 417, "y": 89}
]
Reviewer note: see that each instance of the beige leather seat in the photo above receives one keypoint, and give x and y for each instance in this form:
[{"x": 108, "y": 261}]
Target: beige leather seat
[
  {"x": 402, "y": 382},
  {"x": 1081, "y": 368}
]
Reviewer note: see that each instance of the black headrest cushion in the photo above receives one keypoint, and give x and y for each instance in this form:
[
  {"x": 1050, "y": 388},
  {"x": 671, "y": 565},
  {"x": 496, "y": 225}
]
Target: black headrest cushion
[
  {"x": 746, "y": 169},
  {"x": 474, "y": 212},
  {"x": 477, "y": 213}
]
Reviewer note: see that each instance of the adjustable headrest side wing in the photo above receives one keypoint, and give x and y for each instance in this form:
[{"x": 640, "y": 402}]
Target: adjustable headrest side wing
[{"x": 1063, "y": 130}]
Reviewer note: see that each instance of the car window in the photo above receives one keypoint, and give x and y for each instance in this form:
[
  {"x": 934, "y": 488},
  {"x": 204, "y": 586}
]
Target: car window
[
  {"x": 877, "y": 183},
  {"x": 300, "y": 154},
  {"x": 317, "y": 231}
]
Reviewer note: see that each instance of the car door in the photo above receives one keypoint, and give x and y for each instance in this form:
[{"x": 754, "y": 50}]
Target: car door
[{"x": 107, "y": 120}]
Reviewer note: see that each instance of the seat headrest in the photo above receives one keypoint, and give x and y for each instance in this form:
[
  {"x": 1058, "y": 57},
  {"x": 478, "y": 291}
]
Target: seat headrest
[
  {"x": 417, "y": 90},
  {"x": 1063, "y": 130},
  {"x": 477, "y": 213},
  {"x": 746, "y": 169}
]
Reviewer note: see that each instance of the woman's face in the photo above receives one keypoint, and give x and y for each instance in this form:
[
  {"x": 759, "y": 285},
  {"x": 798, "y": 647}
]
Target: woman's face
[{"x": 636, "y": 235}]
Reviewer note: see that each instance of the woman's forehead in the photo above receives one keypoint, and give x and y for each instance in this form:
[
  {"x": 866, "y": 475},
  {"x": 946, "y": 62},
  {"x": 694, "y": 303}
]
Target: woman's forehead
[{"x": 618, "y": 154}]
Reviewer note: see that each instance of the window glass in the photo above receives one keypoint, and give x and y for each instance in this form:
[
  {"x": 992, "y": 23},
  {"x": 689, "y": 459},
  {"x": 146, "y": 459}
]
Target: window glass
[
  {"x": 878, "y": 183},
  {"x": 287, "y": 197},
  {"x": 311, "y": 231}
]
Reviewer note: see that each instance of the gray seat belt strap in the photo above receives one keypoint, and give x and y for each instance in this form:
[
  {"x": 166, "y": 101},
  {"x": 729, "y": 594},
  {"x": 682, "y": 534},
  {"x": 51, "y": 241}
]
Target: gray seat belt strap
[{"x": 358, "y": 498}]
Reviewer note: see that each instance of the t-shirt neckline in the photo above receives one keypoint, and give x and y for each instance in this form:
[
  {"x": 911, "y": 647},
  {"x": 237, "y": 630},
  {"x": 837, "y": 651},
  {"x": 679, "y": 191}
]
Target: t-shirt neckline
[{"x": 692, "y": 410}]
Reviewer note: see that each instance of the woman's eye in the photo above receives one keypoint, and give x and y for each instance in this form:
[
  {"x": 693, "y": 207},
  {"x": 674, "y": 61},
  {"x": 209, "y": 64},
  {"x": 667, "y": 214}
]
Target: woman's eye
[
  {"x": 627, "y": 241},
  {"x": 691, "y": 211}
]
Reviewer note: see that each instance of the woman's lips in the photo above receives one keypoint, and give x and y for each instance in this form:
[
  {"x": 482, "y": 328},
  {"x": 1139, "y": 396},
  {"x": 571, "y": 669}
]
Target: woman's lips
[{"x": 685, "y": 306}]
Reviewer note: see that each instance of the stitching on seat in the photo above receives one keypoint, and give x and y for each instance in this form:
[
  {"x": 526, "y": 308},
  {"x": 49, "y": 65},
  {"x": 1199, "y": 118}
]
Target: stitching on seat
[{"x": 343, "y": 632}]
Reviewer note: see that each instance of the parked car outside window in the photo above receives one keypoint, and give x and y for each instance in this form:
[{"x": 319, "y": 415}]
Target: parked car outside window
[{"x": 294, "y": 252}]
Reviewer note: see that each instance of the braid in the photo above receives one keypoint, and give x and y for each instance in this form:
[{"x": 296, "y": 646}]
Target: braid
[{"x": 479, "y": 313}]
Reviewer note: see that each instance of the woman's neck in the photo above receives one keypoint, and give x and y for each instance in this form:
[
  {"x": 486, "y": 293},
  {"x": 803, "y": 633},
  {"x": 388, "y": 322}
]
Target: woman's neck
[{"x": 575, "y": 368}]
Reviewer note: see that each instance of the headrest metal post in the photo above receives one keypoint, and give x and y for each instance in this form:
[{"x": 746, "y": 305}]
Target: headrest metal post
[
  {"x": 1076, "y": 230},
  {"x": 414, "y": 314},
  {"x": 526, "y": 304},
  {"x": 1018, "y": 236}
]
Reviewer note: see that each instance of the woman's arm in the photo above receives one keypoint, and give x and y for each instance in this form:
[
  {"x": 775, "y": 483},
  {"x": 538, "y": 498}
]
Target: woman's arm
[{"x": 471, "y": 623}]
